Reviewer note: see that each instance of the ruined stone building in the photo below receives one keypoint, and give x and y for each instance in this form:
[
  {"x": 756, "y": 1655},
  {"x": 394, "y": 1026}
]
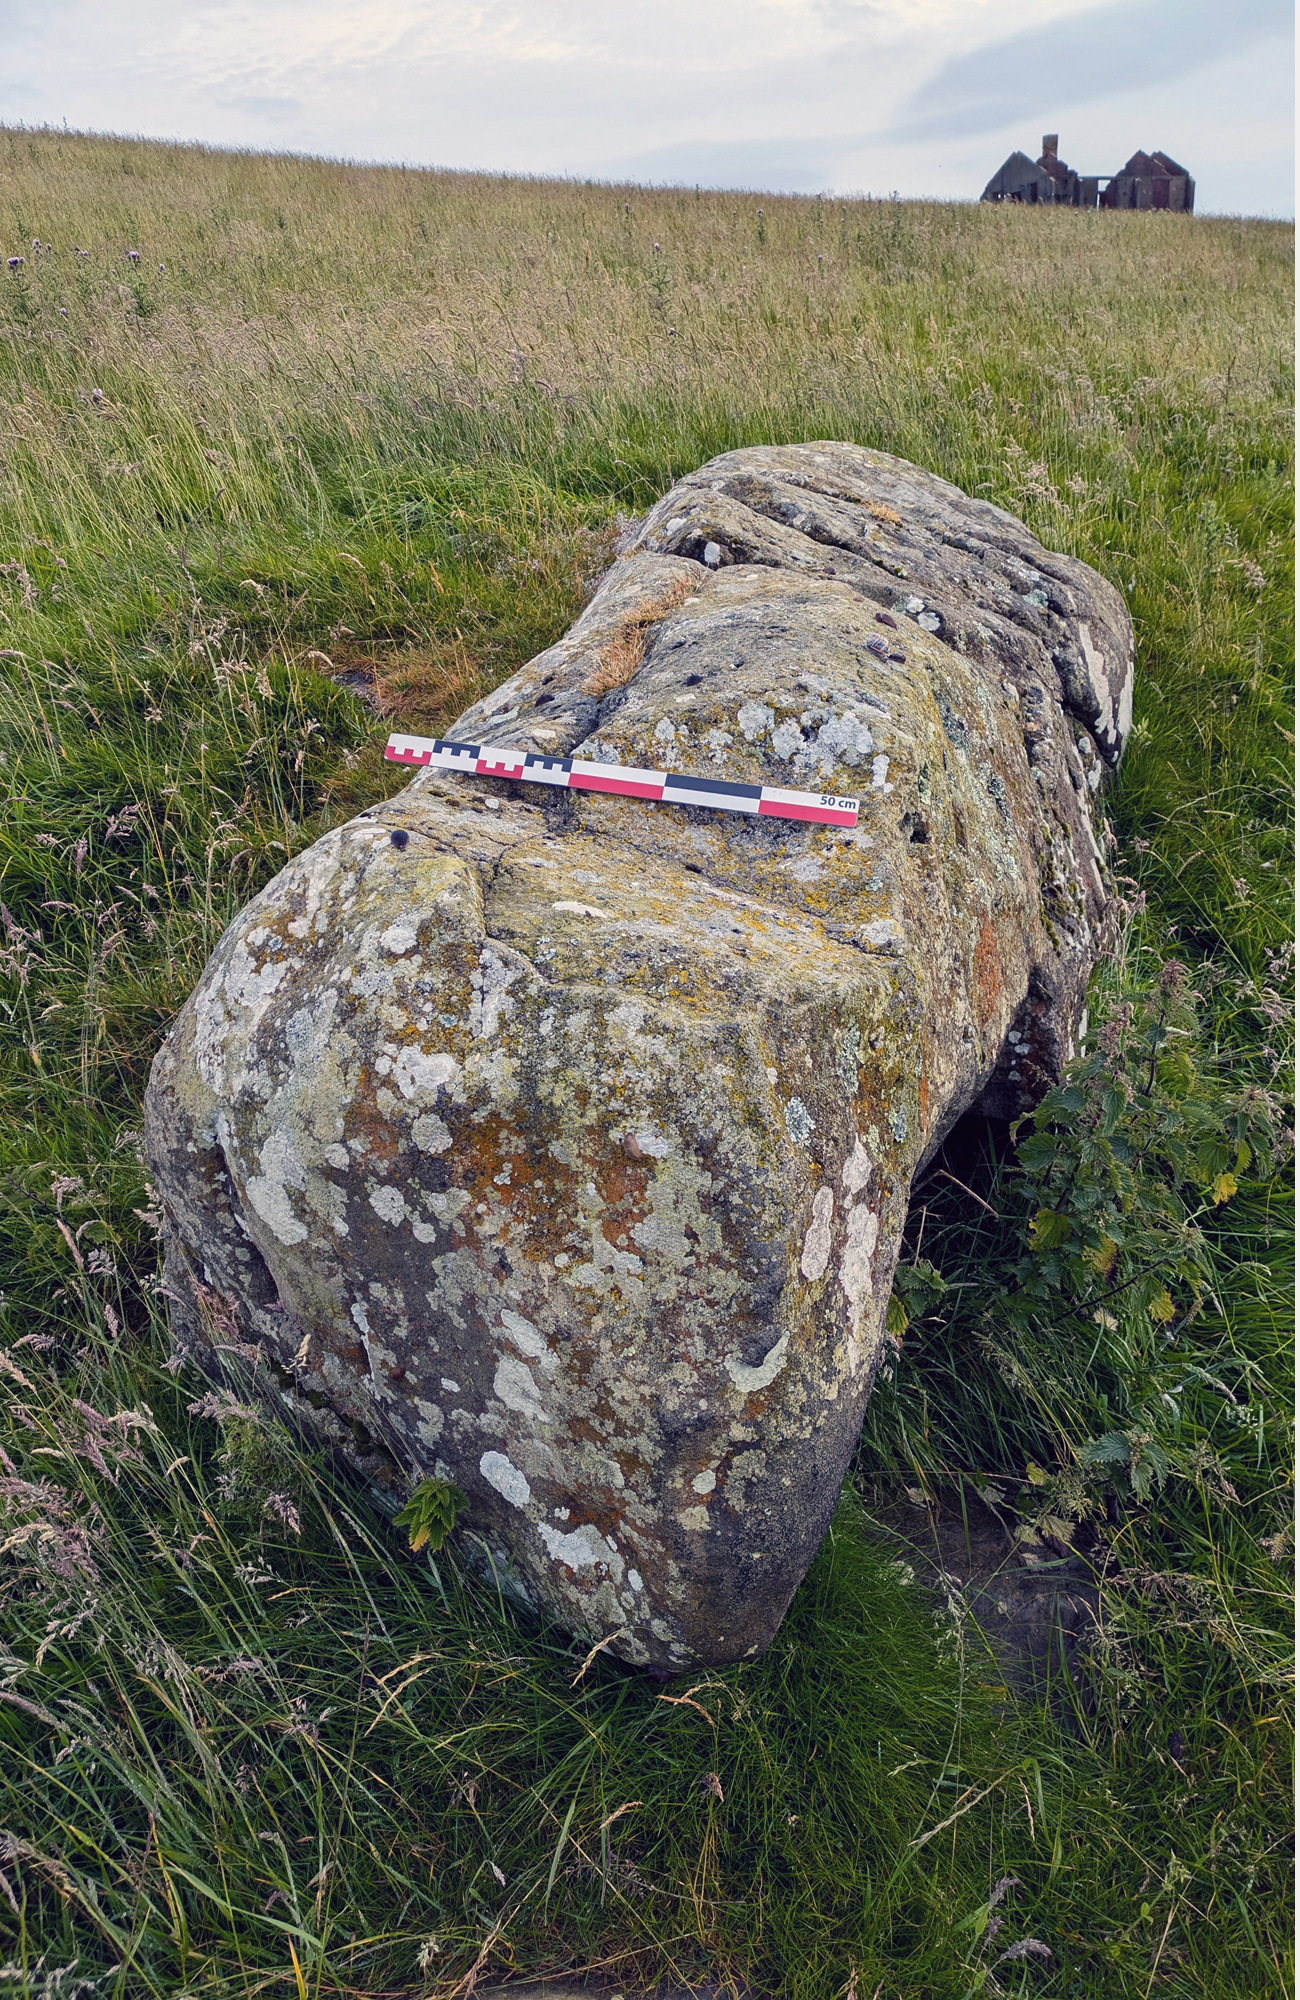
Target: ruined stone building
[{"x": 1148, "y": 180}]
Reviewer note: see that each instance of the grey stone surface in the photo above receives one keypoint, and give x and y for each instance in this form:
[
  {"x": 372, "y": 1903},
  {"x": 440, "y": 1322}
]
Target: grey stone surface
[{"x": 564, "y": 1151}]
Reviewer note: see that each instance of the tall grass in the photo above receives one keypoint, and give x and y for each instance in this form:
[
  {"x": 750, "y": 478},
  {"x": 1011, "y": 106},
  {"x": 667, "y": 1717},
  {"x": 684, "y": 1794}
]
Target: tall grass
[{"x": 368, "y": 434}]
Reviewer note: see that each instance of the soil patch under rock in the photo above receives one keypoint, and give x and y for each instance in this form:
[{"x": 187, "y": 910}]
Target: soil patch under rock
[{"x": 1032, "y": 1607}]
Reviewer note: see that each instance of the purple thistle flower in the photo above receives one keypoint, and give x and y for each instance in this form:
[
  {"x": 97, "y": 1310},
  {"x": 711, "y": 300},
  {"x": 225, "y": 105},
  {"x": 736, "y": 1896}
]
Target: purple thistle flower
[
  {"x": 15, "y": 263},
  {"x": 134, "y": 256}
]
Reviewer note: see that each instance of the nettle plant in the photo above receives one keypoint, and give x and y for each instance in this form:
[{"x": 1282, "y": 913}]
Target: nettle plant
[
  {"x": 1081, "y": 1308},
  {"x": 1123, "y": 1162},
  {"x": 1125, "y": 1157},
  {"x": 430, "y": 1514}
]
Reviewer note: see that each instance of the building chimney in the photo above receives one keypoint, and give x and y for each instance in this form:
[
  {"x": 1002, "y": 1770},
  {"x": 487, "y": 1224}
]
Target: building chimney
[{"x": 1050, "y": 140}]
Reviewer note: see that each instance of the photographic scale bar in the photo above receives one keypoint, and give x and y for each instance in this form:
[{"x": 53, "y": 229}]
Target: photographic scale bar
[{"x": 673, "y": 788}]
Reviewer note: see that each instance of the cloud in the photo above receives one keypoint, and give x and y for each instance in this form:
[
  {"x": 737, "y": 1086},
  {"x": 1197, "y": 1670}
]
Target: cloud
[
  {"x": 797, "y": 95},
  {"x": 262, "y": 107},
  {"x": 1085, "y": 56}
]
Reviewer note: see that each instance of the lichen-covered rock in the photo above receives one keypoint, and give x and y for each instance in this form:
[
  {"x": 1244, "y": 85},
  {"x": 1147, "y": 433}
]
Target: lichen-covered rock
[{"x": 561, "y": 1146}]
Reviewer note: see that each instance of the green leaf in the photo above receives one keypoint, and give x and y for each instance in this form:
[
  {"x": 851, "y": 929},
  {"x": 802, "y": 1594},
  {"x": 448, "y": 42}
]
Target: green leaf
[
  {"x": 1113, "y": 1449},
  {"x": 896, "y": 1316},
  {"x": 430, "y": 1514},
  {"x": 1050, "y": 1228}
]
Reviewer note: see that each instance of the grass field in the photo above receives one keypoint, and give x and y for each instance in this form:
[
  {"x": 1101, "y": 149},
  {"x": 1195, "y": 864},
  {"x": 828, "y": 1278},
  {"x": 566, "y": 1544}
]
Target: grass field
[{"x": 278, "y": 434}]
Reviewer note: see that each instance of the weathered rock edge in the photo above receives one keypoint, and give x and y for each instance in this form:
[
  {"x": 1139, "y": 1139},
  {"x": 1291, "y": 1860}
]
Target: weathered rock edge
[{"x": 563, "y": 1150}]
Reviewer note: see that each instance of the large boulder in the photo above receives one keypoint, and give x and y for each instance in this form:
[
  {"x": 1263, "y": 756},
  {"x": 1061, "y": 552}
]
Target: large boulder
[{"x": 560, "y": 1144}]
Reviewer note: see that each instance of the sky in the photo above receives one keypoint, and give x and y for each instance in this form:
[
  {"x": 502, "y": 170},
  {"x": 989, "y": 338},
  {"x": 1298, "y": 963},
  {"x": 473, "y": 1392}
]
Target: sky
[{"x": 926, "y": 97}]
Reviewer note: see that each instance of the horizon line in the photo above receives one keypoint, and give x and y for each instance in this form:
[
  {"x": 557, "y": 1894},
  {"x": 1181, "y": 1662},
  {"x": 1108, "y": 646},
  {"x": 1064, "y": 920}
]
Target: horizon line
[{"x": 239, "y": 150}]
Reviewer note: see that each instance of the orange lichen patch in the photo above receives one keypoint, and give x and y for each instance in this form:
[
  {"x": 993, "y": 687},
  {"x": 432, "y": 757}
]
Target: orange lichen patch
[
  {"x": 618, "y": 1179},
  {"x": 383, "y": 1143},
  {"x": 924, "y": 1095},
  {"x": 989, "y": 982},
  {"x": 480, "y": 1148},
  {"x": 878, "y": 510}
]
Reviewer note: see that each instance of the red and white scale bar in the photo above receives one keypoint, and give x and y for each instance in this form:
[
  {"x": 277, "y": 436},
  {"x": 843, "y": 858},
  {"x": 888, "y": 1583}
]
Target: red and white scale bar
[{"x": 669, "y": 787}]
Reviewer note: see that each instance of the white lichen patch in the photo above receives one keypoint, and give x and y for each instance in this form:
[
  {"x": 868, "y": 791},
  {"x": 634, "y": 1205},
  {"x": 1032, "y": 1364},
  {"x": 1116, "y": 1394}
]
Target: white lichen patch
[
  {"x": 508, "y": 1480},
  {"x": 841, "y": 739},
  {"x": 787, "y": 738},
  {"x": 388, "y": 1204},
  {"x": 581, "y": 1547},
  {"x": 857, "y": 1168},
  {"x": 430, "y": 1134},
  {"x": 419, "y": 1075},
  {"x": 492, "y": 981},
  {"x": 526, "y": 1337},
  {"x": 798, "y": 1121},
  {"x": 316, "y": 874},
  {"x": 859, "y": 1248},
  {"x": 514, "y": 1385},
  {"x": 760, "y": 1377},
  {"x": 817, "y": 1243},
  {"x": 282, "y": 1169}
]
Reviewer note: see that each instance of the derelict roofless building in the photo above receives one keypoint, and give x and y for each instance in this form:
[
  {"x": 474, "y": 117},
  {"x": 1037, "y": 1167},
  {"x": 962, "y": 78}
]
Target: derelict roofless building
[{"x": 1148, "y": 180}]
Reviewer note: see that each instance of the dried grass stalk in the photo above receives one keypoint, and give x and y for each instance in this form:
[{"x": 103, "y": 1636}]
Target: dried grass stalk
[{"x": 620, "y": 656}]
